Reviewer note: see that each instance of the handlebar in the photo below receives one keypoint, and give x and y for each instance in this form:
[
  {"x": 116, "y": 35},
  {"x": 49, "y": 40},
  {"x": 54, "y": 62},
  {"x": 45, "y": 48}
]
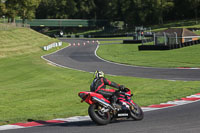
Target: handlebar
[{"x": 124, "y": 92}]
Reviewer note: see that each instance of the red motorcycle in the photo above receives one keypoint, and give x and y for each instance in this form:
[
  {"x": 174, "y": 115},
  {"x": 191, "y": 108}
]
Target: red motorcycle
[{"x": 102, "y": 112}]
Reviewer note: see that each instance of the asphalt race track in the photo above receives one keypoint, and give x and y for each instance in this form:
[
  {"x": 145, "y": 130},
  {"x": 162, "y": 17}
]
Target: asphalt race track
[
  {"x": 83, "y": 57},
  {"x": 179, "y": 119}
]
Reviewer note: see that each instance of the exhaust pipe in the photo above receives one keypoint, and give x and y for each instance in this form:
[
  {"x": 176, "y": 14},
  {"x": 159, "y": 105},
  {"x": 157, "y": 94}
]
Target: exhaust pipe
[{"x": 103, "y": 103}]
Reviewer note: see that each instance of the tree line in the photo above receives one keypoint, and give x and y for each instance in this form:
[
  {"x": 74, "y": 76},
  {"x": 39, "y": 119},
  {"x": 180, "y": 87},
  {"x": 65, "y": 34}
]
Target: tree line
[{"x": 132, "y": 12}]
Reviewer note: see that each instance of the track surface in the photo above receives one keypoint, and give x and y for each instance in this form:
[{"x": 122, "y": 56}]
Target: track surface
[
  {"x": 83, "y": 58},
  {"x": 180, "y": 119}
]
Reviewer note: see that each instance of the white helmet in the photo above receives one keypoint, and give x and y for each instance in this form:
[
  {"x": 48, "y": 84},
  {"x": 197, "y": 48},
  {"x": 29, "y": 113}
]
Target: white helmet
[{"x": 98, "y": 74}]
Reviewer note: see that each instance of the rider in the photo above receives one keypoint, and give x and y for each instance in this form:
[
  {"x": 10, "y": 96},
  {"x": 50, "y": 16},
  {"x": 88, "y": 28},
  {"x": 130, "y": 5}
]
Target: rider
[{"x": 99, "y": 86}]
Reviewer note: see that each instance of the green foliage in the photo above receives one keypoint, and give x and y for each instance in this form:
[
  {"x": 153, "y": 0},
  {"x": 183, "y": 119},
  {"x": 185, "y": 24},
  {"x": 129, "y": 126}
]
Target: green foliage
[
  {"x": 161, "y": 6},
  {"x": 60, "y": 9},
  {"x": 84, "y": 9},
  {"x": 12, "y": 7},
  {"x": 27, "y": 8},
  {"x": 2, "y": 8},
  {"x": 132, "y": 12},
  {"x": 23, "y": 8}
]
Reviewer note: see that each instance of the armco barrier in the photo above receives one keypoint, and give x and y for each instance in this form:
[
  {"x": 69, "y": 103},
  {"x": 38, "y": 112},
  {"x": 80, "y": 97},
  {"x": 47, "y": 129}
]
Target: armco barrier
[
  {"x": 91, "y": 36},
  {"x": 56, "y": 44}
]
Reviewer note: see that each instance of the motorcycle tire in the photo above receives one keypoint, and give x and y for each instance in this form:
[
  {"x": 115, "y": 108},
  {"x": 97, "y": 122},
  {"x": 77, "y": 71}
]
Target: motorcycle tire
[
  {"x": 136, "y": 112},
  {"x": 98, "y": 117}
]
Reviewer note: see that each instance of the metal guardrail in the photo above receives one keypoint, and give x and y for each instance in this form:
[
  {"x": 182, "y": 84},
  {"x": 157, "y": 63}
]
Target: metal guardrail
[{"x": 64, "y": 22}]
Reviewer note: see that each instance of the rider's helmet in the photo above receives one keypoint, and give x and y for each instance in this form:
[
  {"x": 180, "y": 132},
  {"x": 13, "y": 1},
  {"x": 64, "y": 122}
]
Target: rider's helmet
[{"x": 98, "y": 74}]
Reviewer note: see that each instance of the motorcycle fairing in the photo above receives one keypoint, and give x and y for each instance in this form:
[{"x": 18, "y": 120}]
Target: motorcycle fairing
[
  {"x": 87, "y": 97},
  {"x": 125, "y": 100}
]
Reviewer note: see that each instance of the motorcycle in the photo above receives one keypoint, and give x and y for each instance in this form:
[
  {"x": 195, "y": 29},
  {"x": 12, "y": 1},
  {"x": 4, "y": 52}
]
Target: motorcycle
[{"x": 102, "y": 112}]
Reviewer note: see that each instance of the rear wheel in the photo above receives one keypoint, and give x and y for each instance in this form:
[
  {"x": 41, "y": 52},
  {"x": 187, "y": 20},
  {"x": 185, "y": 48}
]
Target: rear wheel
[
  {"x": 136, "y": 112},
  {"x": 97, "y": 114}
]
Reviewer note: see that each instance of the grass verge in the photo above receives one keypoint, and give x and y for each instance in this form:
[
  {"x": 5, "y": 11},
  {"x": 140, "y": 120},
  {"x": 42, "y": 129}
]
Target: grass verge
[
  {"x": 129, "y": 54},
  {"x": 19, "y": 41}
]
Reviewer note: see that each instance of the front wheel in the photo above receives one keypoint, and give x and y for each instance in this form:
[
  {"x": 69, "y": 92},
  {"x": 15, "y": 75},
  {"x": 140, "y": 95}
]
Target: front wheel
[
  {"x": 97, "y": 114},
  {"x": 136, "y": 112}
]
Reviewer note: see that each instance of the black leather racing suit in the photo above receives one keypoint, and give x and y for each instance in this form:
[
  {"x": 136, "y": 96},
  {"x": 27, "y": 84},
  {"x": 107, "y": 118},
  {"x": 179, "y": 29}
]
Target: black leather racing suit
[{"x": 99, "y": 86}]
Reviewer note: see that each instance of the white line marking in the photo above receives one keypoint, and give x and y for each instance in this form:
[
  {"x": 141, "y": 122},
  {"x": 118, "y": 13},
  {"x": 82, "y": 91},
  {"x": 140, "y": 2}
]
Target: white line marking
[
  {"x": 7, "y": 127},
  {"x": 145, "y": 109},
  {"x": 193, "y": 96},
  {"x": 181, "y": 102},
  {"x": 74, "y": 119}
]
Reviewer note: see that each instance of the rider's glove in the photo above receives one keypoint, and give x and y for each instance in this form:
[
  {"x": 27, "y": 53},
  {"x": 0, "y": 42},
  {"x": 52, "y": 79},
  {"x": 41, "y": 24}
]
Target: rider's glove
[{"x": 121, "y": 87}]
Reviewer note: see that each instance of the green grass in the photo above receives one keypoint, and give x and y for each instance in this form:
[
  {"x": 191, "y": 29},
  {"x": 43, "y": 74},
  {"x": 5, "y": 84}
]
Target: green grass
[
  {"x": 176, "y": 24},
  {"x": 117, "y": 42},
  {"x": 129, "y": 54},
  {"x": 197, "y": 32},
  {"x": 114, "y": 38},
  {"x": 18, "y": 41},
  {"x": 31, "y": 88},
  {"x": 180, "y": 23}
]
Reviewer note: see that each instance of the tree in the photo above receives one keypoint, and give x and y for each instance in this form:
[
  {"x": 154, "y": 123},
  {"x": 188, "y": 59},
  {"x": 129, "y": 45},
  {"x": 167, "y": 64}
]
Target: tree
[
  {"x": 12, "y": 7},
  {"x": 195, "y": 4},
  {"x": 65, "y": 8},
  {"x": 56, "y": 9},
  {"x": 85, "y": 9},
  {"x": 132, "y": 12},
  {"x": 2, "y": 8},
  {"x": 104, "y": 9},
  {"x": 161, "y": 6},
  {"x": 27, "y": 8},
  {"x": 46, "y": 9}
]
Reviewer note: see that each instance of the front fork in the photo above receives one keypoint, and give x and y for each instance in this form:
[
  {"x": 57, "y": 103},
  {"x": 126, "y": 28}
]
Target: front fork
[{"x": 133, "y": 106}]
